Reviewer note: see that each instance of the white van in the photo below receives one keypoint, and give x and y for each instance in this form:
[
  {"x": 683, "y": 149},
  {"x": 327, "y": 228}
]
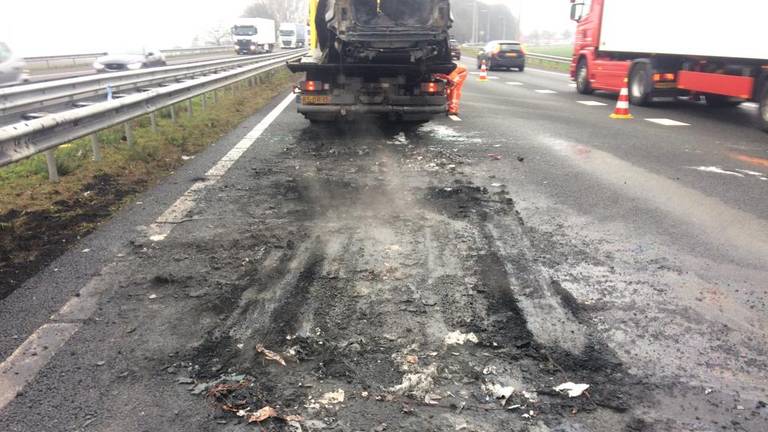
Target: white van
[{"x": 11, "y": 68}]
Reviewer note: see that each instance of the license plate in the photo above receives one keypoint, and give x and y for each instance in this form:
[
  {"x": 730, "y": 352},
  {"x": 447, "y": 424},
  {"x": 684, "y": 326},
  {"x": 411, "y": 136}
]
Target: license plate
[
  {"x": 511, "y": 54},
  {"x": 315, "y": 100}
]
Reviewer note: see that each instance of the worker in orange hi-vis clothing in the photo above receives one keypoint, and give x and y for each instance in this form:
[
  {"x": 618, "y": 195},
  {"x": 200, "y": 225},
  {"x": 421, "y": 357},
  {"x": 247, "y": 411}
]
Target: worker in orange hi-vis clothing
[{"x": 455, "y": 82}]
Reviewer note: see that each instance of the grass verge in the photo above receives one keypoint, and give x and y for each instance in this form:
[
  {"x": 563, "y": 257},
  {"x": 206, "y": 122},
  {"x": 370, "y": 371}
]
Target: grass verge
[{"x": 39, "y": 219}]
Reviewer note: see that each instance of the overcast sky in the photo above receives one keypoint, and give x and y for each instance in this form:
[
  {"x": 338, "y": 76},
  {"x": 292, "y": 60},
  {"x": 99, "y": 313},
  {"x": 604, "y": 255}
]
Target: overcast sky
[{"x": 47, "y": 27}]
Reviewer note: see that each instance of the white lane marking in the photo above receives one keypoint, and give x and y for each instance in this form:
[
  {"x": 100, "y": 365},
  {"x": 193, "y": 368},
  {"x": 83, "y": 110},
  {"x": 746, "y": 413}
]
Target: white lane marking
[
  {"x": 549, "y": 72},
  {"x": 591, "y": 103},
  {"x": 454, "y": 118},
  {"x": 716, "y": 170},
  {"x": 39, "y": 348},
  {"x": 572, "y": 85},
  {"x": 515, "y": 83},
  {"x": 667, "y": 122},
  {"x": 176, "y": 213},
  {"x": 544, "y": 91},
  {"x": 750, "y": 105},
  {"x": 752, "y": 173},
  {"x": 29, "y": 358}
]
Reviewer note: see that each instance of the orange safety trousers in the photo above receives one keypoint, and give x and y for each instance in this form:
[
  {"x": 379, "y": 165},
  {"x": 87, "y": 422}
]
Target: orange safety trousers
[{"x": 455, "y": 82}]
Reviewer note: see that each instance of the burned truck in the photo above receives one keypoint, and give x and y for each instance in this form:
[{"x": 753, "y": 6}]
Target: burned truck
[{"x": 376, "y": 57}]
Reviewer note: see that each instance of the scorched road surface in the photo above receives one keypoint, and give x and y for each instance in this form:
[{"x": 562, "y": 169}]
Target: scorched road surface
[{"x": 430, "y": 278}]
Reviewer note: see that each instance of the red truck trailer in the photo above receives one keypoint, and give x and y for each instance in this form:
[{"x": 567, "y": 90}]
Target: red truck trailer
[{"x": 672, "y": 48}]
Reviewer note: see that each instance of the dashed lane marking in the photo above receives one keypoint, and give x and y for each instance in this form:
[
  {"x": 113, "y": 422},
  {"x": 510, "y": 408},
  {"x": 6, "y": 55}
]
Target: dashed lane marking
[
  {"x": 592, "y": 103},
  {"x": 544, "y": 91},
  {"x": 667, "y": 122},
  {"x": 515, "y": 83},
  {"x": 175, "y": 214},
  {"x": 454, "y": 118},
  {"x": 38, "y": 349},
  {"x": 572, "y": 85}
]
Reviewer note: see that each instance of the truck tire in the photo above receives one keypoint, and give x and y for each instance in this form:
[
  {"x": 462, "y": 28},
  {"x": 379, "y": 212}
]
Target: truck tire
[
  {"x": 763, "y": 111},
  {"x": 641, "y": 84},
  {"x": 583, "y": 85}
]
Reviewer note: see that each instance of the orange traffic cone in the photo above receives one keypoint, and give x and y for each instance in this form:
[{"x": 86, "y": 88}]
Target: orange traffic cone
[
  {"x": 622, "y": 105},
  {"x": 483, "y": 72}
]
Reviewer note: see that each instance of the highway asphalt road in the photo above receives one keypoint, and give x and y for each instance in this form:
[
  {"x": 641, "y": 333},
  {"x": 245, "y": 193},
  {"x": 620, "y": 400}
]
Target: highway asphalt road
[{"x": 428, "y": 278}]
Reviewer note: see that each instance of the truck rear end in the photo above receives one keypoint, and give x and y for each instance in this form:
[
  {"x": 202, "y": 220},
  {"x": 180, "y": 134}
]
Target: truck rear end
[
  {"x": 377, "y": 58},
  {"x": 669, "y": 49}
]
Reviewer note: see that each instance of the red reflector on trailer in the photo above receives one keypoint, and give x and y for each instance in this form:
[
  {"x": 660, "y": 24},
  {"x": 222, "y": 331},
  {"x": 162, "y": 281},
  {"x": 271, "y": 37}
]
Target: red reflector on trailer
[
  {"x": 311, "y": 86},
  {"x": 432, "y": 87}
]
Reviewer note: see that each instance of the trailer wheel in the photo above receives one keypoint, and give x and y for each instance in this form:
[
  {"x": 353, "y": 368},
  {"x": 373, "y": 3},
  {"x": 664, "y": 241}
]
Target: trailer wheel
[
  {"x": 583, "y": 85},
  {"x": 640, "y": 84},
  {"x": 763, "y": 117}
]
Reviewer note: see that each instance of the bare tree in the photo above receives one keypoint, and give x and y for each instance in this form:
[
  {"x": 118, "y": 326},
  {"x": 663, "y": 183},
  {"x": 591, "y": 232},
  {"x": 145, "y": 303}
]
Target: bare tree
[
  {"x": 279, "y": 10},
  {"x": 219, "y": 36}
]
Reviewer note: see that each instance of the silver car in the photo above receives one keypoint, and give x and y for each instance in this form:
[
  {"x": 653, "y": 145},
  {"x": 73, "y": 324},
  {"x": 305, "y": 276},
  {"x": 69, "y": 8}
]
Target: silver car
[
  {"x": 11, "y": 68},
  {"x": 130, "y": 60}
]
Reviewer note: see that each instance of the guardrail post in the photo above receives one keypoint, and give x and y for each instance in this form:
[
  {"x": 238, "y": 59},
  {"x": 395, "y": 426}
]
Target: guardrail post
[
  {"x": 189, "y": 107},
  {"x": 234, "y": 91},
  {"x": 95, "y": 147},
  {"x": 129, "y": 134},
  {"x": 215, "y": 96},
  {"x": 153, "y": 121},
  {"x": 173, "y": 113},
  {"x": 53, "y": 170},
  {"x": 203, "y": 101}
]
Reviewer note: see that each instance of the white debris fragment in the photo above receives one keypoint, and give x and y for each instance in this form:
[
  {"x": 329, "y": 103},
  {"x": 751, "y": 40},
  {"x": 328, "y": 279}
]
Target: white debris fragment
[
  {"x": 499, "y": 392},
  {"x": 333, "y": 397},
  {"x": 152, "y": 296},
  {"x": 86, "y": 250},
  {"x": 489, "y": 370},
  {"x": 531, "y": 396},
  {"x": 419, "y": 383},
  {"x": 459, "y": 338},
  {"x": 708, "y": 391},
  {"x": 186, "y": 158},
  {"x": 574, "y": 390}
]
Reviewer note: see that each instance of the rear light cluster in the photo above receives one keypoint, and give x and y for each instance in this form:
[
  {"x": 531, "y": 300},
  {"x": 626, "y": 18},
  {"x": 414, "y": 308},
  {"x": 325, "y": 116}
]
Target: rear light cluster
[
  {"x": 664, "y": 77},
  {"x": 314, "y": 86},
  {"x": 434, "y": 87}
]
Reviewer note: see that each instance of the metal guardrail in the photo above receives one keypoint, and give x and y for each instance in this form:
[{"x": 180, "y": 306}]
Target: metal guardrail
[
  {"x": 22, "y": 140},
  {"x": 74, "y": 60},
  {"x": 26, "y": 98},
  {"x": 556, "y": 59}
]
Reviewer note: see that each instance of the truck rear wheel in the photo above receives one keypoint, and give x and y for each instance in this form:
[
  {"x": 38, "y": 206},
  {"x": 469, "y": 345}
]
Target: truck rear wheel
[
  {"x": 641, "y": 84},
  {"x": 763, "y": 117},
  {"x": 583, "y": 85}
]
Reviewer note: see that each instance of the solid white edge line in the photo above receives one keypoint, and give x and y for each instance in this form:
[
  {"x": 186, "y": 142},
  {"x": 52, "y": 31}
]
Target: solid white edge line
[
  {"x": 40, "y": 347},
  {"x": 176, "y": 213}
]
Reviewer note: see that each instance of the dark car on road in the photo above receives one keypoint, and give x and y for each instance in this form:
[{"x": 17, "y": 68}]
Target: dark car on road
[
  {"x": 502, "y": 55},
  {"x": 135, "y": 59},
  {"x": 455, "y": 49}
]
